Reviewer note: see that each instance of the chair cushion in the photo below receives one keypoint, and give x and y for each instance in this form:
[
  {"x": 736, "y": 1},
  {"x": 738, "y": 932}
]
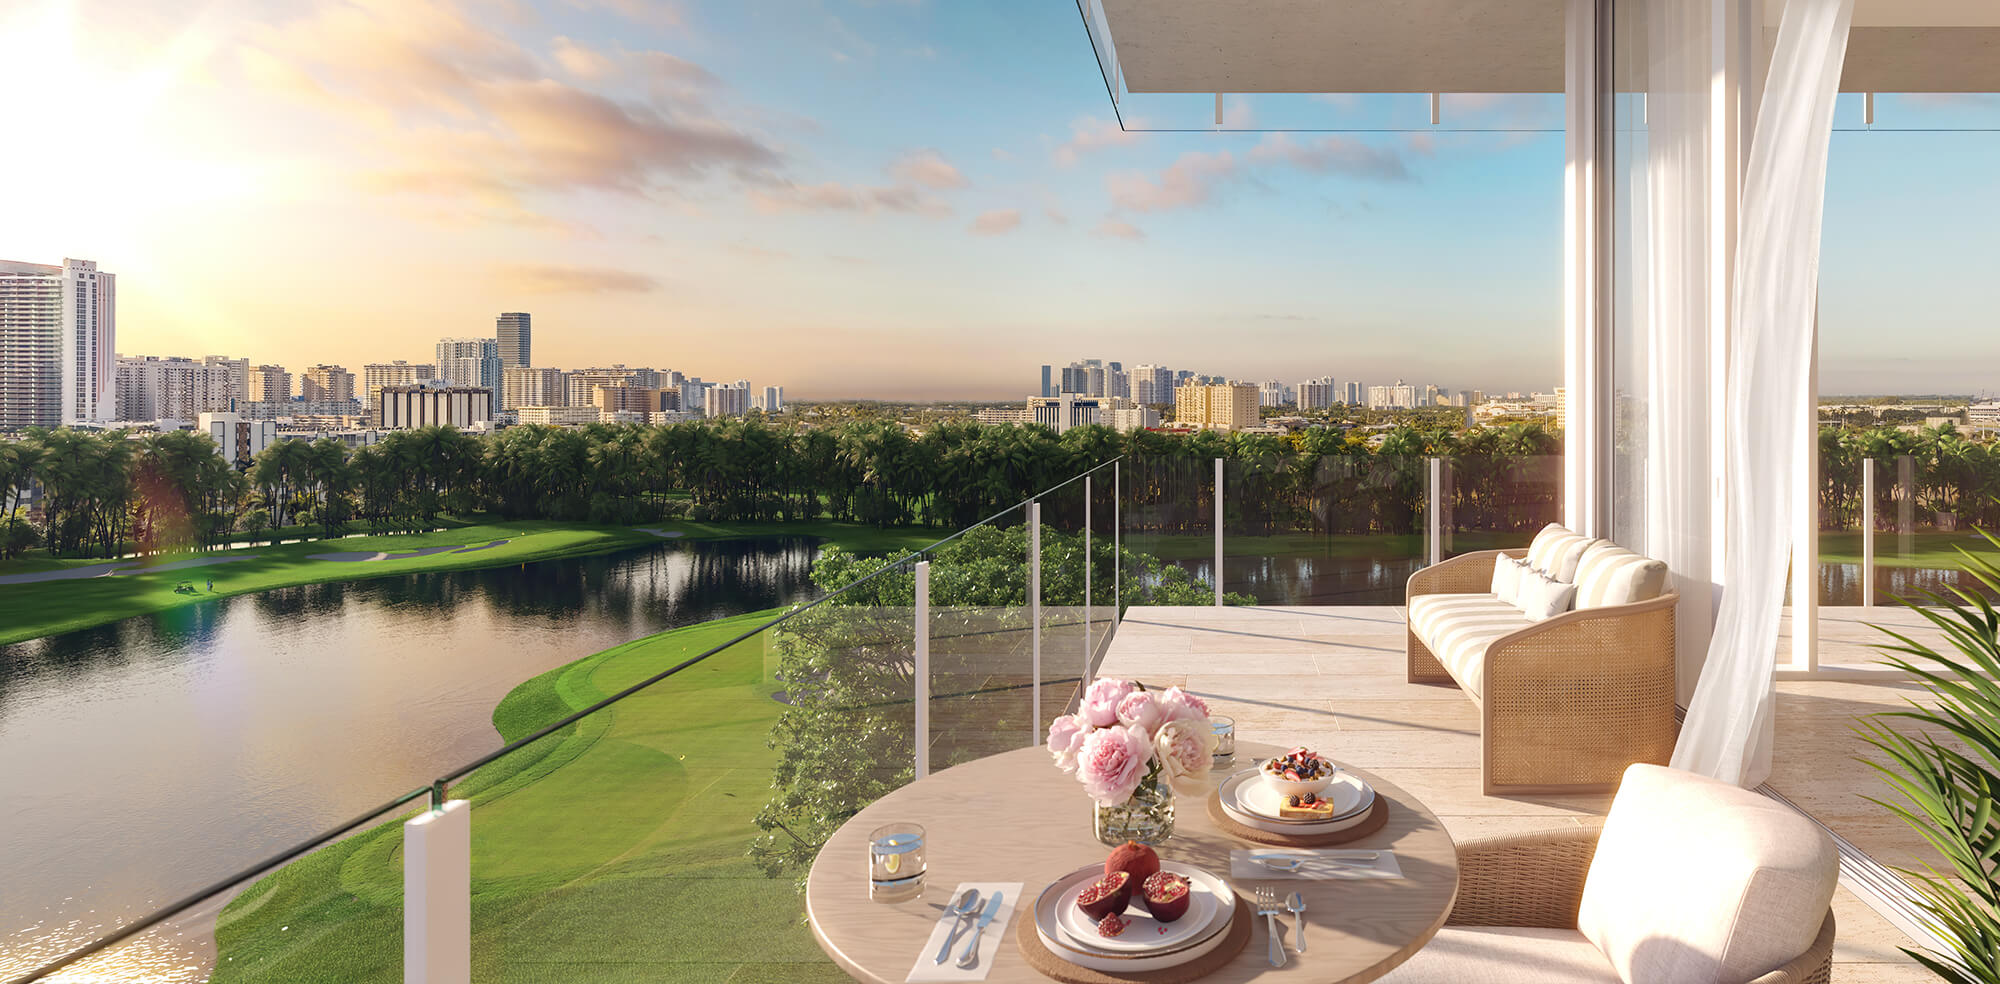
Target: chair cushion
[
  {"x": 1488, "y": 955},
  {"x": 1557, "y": 551},
  {"x": 1700, "y": 882},
  {"x": 1457, "y": 629},
  {"x": 1507, "y": 579},
  {"x": 1609, "y": 574},
  {"x": 1542, "y": 597}
]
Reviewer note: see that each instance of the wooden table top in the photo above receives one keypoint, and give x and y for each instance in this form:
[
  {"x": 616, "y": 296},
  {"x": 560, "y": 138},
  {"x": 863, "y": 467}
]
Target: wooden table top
[{"x": 1016, "y": 817}]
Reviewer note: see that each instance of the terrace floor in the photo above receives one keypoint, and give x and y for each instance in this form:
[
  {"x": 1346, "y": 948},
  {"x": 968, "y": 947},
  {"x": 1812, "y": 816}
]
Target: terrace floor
[{"x": 1333, "y": 678}]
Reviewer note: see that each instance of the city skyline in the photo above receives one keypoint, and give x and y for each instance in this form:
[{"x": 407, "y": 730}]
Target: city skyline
[{"x": 661, "y": 184}]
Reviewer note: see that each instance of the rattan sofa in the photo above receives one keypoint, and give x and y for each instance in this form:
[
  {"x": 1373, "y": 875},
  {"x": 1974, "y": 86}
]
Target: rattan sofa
[
  {"x": 1698, "y": 881},
  {"x": 1565, "y": 704}
]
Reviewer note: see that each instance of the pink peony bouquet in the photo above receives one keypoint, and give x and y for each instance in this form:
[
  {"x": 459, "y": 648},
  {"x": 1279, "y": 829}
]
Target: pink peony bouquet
[{"x": 1123, "y": 734}]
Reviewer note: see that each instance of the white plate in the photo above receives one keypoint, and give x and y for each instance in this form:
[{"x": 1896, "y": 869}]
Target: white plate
[
  {"x": 1248, "y": 793},
  {"x": 1083, "y": 955},
  {"x": 1146, "y": 934}
]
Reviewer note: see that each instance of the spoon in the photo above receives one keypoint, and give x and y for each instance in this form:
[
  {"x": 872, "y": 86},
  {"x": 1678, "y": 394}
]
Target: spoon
[
  {"x": 967, "y": 904},
  {"x": 1296, "y": 905}
]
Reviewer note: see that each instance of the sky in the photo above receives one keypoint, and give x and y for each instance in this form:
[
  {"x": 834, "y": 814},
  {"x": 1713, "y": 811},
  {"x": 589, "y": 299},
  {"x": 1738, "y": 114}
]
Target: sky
[{"x": 850, "y": 198}]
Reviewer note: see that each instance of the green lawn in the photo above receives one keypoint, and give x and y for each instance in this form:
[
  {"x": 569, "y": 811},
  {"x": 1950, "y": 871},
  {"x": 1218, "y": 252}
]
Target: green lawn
[
  {"x": 612, "y": 852},
  {"x": 1936, "y": 550},
  {"x": 30, "y": 611}
]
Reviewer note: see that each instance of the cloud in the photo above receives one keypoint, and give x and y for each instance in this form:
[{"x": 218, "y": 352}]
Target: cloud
[
  {"x": 1002, "y": 154},
  {"x": 1089, "y": 134},
  {"x": 1187, "y": 182},
  {"x": 929, "y": 169},
  {"x": 836, "y": 197},
  {"x": 1332, "y": 155},
  {"x": 997, "y": 222},
  {"x": 1117, "y": 228},
  {"x": 580, "y": 60},
  {"x": 559, "y": 279},
  {"x": 1055, "y": 215},
  {"x": 659, "y": 13}
]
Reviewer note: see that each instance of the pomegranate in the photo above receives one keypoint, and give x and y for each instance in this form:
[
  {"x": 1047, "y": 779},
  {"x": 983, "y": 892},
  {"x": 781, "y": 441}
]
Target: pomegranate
[
  {"x": 1107, "y": 896},
  {"x": 1112, "y": 925},
  {"x": 1133, "y": 857},
  {"x": 1166, "y": 896}
]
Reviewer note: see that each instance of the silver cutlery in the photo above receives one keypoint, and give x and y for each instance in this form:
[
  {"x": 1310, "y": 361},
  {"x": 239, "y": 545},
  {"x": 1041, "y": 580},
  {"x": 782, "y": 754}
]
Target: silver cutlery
[
  {"x": 1267, "y": 906},
  {"x": 1296, "y": 904},
  {"x": 960, "y": 911},
  {"x": 971, "y": 955}
]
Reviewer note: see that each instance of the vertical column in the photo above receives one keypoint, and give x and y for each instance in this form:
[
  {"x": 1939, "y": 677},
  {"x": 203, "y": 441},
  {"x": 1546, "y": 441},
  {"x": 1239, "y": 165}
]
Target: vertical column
[
  {"x": 1218, "y": 532},
  {"x": 923, "y": 672},
  {"x": 1035, "y": 614},
  {"x": 1434, "y": 527},
  {"x": 1587, "y": 243},
  {"x": 1117, "y": 542},
  {"x": 1906, "y": 505},
  {"x": 1805, "y": 523},
  {"x": 437, "y": 896},
  {"x": 1867, "y": 532},
  {"x": 1085, "y": 678}
]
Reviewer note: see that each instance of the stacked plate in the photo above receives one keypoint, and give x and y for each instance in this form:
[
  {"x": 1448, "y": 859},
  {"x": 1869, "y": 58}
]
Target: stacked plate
[
  {"x": 1252, "y": 802},
  {"x": 1147, "y": 944}
]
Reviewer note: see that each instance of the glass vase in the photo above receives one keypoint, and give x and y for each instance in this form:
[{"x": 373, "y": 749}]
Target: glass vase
[{"x": 1148, "y": 817}]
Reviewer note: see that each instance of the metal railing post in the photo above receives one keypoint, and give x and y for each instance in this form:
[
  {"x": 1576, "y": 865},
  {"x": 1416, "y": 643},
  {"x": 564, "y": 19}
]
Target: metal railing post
[
  {"x": 1867, "y": 532},
  {"x": 923, "y": 674},
  {"x": 1086, "y": 579},
  {"x": 1035, "y": 614},
  {"x": 1117, "y": 542},
  {"x": 1218, "y": 532},
  {"x": 1436, "y": 511}
]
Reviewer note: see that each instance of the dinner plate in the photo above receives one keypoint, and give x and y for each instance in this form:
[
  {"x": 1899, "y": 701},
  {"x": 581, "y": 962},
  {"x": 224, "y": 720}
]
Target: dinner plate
[
  {"x": 1145, "y": 934},
  {"x": 1246, "y": 793},
  {"x": 1084, "y": 954}
]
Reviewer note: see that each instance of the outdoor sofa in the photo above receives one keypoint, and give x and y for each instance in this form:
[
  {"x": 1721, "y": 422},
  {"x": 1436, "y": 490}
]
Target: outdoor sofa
[{"x": 1568, "y": 701}]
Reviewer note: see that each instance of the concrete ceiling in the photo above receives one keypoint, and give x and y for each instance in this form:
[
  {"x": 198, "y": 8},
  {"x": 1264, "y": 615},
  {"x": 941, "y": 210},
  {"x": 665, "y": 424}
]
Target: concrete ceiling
[{"x": 1248, "y": 46}]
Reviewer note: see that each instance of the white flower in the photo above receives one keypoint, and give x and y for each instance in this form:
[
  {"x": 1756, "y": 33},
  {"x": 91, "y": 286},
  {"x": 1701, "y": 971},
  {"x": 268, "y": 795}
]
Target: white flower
[{"x": 1186, "y": 749}]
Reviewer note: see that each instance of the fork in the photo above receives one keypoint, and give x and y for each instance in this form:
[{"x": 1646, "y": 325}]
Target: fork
[{"x": 1268, "y": 907}]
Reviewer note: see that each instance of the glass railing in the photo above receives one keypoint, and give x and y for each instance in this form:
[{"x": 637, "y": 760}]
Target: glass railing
[{"x": 1891, "y": 525}]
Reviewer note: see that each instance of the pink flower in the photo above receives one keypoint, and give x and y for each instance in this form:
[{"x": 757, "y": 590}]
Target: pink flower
[
  {"x": 1186, "y": 749},
  {"x": 1066, "y": 736},
  {"x": 1139, "y": 709},
  {"x": 1100, "y": 702},
  {"x": 1113, "y": 761},
  {"x": 1179, "y": 705}
]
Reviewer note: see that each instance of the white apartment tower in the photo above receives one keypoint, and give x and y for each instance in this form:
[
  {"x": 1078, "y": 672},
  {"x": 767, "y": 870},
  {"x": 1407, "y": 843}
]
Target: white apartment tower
[
  {"x": 270, "y": 384},
  {"x": 525, "y": 386},
  {"x": 1318, "y": 394},
  {"x": 152, "y": 388},
  {"x": 726, "y": 400},
  {"x": 327, "y": 384},
  {"x": 58, "y": 344},
  {"x": 469, "y": 362},
  {"x": 376, "y": 375}
]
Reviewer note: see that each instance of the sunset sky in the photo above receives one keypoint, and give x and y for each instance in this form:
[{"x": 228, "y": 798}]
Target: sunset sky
[{"x": 896, "y": 198}]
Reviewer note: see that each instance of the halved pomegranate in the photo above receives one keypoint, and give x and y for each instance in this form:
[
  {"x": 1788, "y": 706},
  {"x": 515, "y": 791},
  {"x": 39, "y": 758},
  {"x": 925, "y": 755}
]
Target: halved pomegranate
[
  {"x": 1107, "y": 896},
  {"x": 1166, "y": 896},
  {"x": 1112, "y": 925}
]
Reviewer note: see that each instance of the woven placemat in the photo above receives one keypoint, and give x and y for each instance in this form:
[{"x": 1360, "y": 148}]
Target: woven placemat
[
  {"x": 1377, "y": 816},
  {"x": 1038, "y": 955}
]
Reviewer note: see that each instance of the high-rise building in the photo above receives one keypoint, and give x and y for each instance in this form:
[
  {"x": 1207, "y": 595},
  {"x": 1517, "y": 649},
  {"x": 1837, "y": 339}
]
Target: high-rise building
[
  {"x": 238, "y": 438},
  {"x": 58, "y": 344},
  {"x": 376, "y": 375},
  {"x": 425, "y": 405},
  {"x": 1434, "y": 396},
  {"x": 327, "y": 384},
  {"x": 610, "y": 399},
  {"x": 239, "y": 375},
  {"x": 1356, "y": 393},
  {"x": 772, "y": 400},
  {"x": 694, "y": 394},
  {"x": 469, "y": 362},
  {"x": 1398, "y": 396},
  {"x": 1274, "y": 394},
  {"x": 1047, "y": 381},
  {"x": 1217, "y": 406},
  {"x": 152, "y": 388},
  {"x": 1318, "y": 394},
  {"x": 583, "y": 381},
  {"x": 515, "y": 335},
  {"x": 1152, "y": 385},
  {"x": 726, "y": 400},
  {"x": 270, "y": 384},
  {"x": 526, "y": 386}
]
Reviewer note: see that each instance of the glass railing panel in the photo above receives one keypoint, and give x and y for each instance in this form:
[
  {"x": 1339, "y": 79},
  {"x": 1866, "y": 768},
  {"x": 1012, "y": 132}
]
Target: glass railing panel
[
  {"x": 1069, "y": 632},
  {"x": 1330, "y": 529},
  {"x": 1107, "y": 570},
  {"x": 982, "y": 637},
  {"x": 1497, "y": 500},
  {"x": 1168, "y": 531}
]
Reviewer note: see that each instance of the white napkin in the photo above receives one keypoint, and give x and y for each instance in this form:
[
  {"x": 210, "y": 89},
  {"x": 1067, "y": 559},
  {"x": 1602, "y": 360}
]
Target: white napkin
[
  {"x": 928, "y": 969},
  {"x": 1318, "y": 864}
]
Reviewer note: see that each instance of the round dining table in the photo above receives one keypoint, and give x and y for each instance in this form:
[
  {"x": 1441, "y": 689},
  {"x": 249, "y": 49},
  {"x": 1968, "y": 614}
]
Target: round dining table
[{"x": 1016, "y": 817}]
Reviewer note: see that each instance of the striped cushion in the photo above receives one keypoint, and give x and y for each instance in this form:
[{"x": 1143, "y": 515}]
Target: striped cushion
[
  {"x": 1457, "y": 628},
  {"x": 1609, "y": 574},
  {"x": 1557, "y": 551}
]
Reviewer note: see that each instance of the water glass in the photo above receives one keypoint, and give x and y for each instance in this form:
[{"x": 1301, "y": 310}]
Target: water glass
[
  {"x": 896, "y": 862},
  {"x": 1225, "y": 738}
]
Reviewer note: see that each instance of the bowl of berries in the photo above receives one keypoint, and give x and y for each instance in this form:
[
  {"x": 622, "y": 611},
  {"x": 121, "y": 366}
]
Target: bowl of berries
[{"x": 1299, "y": 773}]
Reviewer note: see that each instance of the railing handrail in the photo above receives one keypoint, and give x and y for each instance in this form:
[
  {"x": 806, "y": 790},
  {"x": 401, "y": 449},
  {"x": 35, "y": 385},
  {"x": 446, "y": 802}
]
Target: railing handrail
[{"x": 298, "y": 850}]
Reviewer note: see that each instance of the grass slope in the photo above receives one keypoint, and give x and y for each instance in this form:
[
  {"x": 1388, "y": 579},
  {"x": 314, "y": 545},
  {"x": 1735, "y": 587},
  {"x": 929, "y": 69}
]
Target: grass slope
[
  {"x": 612, "y": 852},
  {"x": 30, "y": 611}
]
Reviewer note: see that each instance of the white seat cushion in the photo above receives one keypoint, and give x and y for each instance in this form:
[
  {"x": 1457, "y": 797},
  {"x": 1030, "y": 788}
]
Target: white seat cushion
[
  {"x": 1610, "y": 575},
  {"x": 1557, "y": 551},
  {"x": 1489, "y": 955},
  {"x": 1700, "y": 882},
  {"x": 1457, "y": 629}
]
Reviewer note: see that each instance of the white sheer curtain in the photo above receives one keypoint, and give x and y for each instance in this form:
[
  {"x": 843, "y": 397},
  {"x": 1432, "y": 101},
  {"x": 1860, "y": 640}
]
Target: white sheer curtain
[{"x": 1730, "y": 722}]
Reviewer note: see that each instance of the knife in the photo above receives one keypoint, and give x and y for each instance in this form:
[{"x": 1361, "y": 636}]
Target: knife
[{"x": 971, "y": 954}]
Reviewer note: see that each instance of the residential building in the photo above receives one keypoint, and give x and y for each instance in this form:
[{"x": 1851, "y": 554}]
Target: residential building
[
  {"x": 376, "y": 375},
  {"x": 772, "y": 400},
  {"x": 1152, "y": 385},
  {"x": 238, "y": 371},
  {"x": 58, "y": 338},
  {"x": 1006, "y": 415},
  {"x": 1318, "y": 394},
  {"x": 726, "y": 400},
  {"x": 1217, "y": 406},
  {"x": 1117, "y": 383},
  {"x": 514, "y": 334},
  {"x": 1396, "y": 396},
  {"x": 327, "y": 384},
  {"x": 270, "y": 384},
  {"x": 154, "y": 388},
  {"x": 526, "y": 386},
  {"x": 274, "y": 409},
  {"x": 1275, "y": 394},
  {"x": 1047, "y": 382},
  {"x": 1435, "y": 396},
  {"x": 403, "y": 407},
  {"x": 607, "y": 399},
  {"x": 1983, "y": 418},
  {"x": 239, "y": 438},
  {"x": 694, "y": 394},
  {"x": 469, "y": 362},
  {"x": 583, "y": 381},
  {"x": 1354, "y": 394},
  {"x": 557, "y": 415}
]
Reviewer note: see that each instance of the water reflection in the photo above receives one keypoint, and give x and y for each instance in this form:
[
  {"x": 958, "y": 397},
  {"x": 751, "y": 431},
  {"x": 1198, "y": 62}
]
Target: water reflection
[{"x": 145, "y": 758}]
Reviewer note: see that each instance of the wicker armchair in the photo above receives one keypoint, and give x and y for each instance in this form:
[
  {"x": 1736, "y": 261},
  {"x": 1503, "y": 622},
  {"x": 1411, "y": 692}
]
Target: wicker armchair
[{"x": 1565, "y": 704}]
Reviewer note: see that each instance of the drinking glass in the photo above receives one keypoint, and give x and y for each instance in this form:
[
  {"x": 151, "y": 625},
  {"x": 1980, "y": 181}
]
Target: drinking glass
[
  {"x": 1225, "y": 738},
  {"x": 896, "y": 862}
]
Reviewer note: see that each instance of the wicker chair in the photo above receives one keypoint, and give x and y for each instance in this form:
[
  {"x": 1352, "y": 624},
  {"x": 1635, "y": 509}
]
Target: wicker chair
[{"x": 1565, "y": 704}]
